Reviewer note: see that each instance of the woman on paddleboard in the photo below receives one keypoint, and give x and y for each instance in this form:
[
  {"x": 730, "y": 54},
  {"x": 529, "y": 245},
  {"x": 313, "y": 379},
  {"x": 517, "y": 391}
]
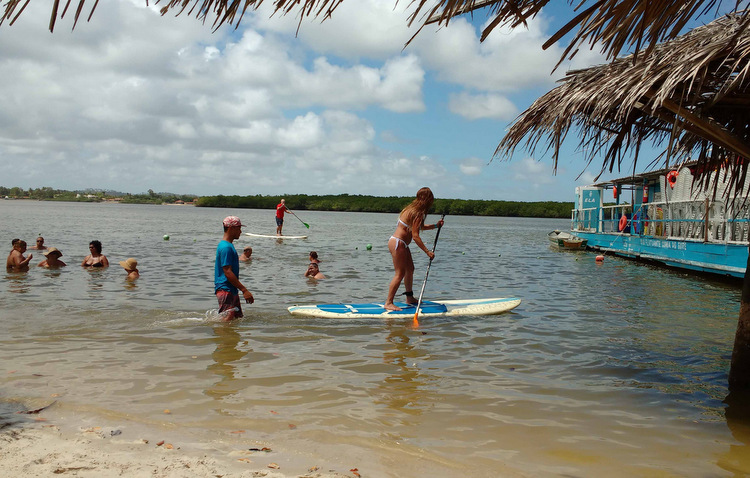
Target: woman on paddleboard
[{"x": 410, "y": 222}]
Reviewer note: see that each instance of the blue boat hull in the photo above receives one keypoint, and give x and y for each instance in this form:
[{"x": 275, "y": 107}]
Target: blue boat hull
[{"x": 716, "y": 258}]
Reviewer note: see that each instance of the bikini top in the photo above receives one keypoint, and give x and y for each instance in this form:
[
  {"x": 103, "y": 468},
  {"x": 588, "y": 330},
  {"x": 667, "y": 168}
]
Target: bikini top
[{"x": 407, "y": 226}]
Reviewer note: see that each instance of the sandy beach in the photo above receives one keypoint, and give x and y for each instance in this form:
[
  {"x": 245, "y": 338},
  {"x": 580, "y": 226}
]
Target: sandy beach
[{"x": 33, "y": 445}]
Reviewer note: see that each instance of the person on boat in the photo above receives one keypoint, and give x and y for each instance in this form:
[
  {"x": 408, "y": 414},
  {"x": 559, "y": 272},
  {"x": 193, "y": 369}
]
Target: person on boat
[
  {"x": 95, "y": 258},
  {"x": 39, "y": 244},
  {"x": 131, "y": 267},
  {"x": 16, "y": 261},
  {"x": 227, "y": 283},
  {"x": 247, "y": 254},
  {"x": 52, "y": 260},
  {"x": 313, "y": 270},
  {"x": 280, "y": 210},
  {"x": 410, "y": 223}
]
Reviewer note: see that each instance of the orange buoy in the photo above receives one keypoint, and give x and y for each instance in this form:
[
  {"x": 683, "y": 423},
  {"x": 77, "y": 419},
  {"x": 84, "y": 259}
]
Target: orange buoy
[
  {"x": 672, "y": 178},
  {"x": 599, "y": 258},
  {"x": 623, "y": 223}
]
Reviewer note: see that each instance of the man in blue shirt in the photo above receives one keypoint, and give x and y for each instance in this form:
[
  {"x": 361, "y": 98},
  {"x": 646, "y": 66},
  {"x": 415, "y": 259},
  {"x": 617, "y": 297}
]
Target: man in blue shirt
[{"x": 227, "y": 283}]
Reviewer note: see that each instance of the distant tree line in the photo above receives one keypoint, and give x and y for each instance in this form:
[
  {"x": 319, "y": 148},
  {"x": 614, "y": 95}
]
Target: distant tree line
[
  {"x": 301, "y": 202},
  {"x": 392, "y": 204},
  {"x": 93, "y": 195}
]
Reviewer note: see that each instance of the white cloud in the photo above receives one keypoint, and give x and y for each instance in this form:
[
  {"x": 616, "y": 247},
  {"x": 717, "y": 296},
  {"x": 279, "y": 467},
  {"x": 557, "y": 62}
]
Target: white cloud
[
  {"x": 375, "y": 29},
  {"x": 532, "y": 173},
  {"x": 506, "y": 61},
  {"x": 472, "y": 166},
  {"x": 132, "y": 100},
  {"x": 484, "y": 106}
]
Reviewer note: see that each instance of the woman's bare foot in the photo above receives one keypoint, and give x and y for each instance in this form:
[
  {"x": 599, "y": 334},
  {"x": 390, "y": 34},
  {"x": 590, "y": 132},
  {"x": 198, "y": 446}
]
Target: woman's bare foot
[{"x": 391, "y": 306}]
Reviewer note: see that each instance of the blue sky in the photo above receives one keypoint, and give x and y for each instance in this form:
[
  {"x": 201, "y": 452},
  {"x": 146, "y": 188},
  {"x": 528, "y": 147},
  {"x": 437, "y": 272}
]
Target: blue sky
[{"x": 133, "y": 101}]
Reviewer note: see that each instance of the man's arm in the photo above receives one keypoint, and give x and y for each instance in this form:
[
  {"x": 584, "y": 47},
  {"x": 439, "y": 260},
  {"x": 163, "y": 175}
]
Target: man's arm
[
  {"x": 17, "y": 262},
  {"x": 235, "y": 281}
]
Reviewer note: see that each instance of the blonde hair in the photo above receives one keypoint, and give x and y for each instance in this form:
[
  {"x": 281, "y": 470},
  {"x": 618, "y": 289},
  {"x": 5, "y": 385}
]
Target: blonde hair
[{"x": 419, "y": 206}]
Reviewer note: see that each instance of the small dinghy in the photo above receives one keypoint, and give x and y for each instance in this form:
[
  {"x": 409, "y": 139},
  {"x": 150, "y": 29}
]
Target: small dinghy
[{"x": 565, "y": 240}]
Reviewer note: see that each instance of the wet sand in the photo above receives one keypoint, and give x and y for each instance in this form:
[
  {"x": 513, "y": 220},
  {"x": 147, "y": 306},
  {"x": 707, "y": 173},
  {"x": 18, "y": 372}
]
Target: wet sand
[{"x": 30, "y": 445}]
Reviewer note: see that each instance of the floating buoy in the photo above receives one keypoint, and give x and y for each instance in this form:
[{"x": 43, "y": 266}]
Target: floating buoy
[
  {"x": 166, "y": 237},
  {"x": 463, "y": 253},
  {"x": 368, "y": 247},
  {"x": 599, "y": 258}
]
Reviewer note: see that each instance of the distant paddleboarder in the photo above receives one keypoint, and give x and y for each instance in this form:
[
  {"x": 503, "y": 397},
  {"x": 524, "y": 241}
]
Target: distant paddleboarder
[
  {"x": 410, "y": 222},
  {"x": 280, "y": 210}
]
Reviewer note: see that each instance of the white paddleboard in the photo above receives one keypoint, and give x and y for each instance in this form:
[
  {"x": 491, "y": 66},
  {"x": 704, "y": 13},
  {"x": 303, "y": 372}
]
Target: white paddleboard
[
  {"x": 275, "y": 236},
  {"x": 434, "y": 308}
]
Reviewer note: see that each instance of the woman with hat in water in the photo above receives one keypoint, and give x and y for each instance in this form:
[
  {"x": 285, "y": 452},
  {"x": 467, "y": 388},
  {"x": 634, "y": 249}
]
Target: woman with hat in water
[
  {"x": 52, "y": 260},
  {"x": 131, "y": 267}
]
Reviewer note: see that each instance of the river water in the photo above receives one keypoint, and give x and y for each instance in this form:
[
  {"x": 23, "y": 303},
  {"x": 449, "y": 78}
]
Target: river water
[{"x": 611, "y": 369}]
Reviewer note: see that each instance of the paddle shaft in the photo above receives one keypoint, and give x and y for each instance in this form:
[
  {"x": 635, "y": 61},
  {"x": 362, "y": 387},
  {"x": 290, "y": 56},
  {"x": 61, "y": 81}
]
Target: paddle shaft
[
  {"x": 300, "y": 220},
  {"x": 421, "y": 293}
]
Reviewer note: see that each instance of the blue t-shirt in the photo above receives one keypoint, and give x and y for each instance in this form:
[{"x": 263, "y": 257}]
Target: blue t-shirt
[{"x": 226, "y": 255}]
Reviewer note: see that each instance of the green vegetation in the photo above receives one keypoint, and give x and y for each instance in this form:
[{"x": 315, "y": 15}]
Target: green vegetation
[
  {"x": 156, "y": 198},
  {"x": 93, "y": 195},
  {"x": 302, "y": 202},
  {"x": 392, "y": 204}
]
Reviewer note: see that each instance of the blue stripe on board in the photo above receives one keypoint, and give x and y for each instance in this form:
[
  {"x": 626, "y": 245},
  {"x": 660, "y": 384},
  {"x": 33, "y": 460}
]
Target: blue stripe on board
[{"x": 375, "y": 308}]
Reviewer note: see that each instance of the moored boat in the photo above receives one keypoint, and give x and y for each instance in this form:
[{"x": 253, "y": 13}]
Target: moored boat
[
  {"x": 668, "y": 220},
  {"x": 566, "y": 240}
]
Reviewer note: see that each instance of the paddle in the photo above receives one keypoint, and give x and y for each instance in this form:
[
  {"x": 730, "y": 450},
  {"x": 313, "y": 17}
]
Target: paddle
[
  {"x": 419, "y": 303},
  {"x": 300, "y": 220}
]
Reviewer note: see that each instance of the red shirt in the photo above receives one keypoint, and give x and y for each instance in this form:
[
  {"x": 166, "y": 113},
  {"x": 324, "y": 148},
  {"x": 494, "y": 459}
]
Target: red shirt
[{"x": 280, "y": 210}]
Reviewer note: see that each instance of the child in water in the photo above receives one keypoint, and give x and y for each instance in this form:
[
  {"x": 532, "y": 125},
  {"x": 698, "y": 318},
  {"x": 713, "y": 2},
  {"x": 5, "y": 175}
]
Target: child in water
[
  {"x": 313, "y": 271},
  {"x": 131, "y": 267}
]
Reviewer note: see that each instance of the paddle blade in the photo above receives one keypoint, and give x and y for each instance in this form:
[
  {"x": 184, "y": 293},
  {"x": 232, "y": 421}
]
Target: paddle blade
[
  {"x": 306, "y": 225},
  {"x": 415, "y": 322}
]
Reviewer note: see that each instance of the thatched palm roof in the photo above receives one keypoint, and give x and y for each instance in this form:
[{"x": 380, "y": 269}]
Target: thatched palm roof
[{"x": 690, "y": 95}]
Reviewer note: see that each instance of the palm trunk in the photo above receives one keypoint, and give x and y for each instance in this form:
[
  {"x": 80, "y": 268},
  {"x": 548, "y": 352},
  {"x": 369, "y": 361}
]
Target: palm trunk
[{"x": 739, "y": 369}]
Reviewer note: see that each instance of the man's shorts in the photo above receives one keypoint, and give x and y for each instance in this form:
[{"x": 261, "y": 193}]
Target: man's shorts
[
  {"x": 279, "y": 221},
  {"x": 229, "y": 301}
]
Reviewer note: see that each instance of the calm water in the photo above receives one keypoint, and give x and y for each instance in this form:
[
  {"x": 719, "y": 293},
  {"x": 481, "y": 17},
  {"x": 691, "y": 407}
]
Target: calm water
[{"x": 613, "y": 369}]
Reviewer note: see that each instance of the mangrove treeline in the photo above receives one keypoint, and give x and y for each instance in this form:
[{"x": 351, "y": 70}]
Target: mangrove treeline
[{"x": 392, "y": 204}]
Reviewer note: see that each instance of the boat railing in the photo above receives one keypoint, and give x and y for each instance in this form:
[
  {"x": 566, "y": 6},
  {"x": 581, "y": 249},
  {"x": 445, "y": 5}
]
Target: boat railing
[{"x": 698, "y": 220}]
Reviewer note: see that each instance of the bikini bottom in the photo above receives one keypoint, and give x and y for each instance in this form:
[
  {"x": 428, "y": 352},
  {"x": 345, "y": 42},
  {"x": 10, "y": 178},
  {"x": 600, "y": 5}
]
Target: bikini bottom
[{"x": 399, "y": 241}]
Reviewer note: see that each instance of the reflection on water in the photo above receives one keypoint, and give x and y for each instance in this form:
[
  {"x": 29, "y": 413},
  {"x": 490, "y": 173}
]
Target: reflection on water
[
  {"x": 611, "y": 369},
  {"x": 404, "y": 390},
  {"x": 226, "y": 356},
  {"x": 18, "y": 282},
  {"x": 130, "y": 285},
  {"x": 736, "y": 458}
]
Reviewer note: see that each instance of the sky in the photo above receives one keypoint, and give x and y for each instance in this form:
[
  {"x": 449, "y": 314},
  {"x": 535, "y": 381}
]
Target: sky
[{"x": 132, "y": 101}]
